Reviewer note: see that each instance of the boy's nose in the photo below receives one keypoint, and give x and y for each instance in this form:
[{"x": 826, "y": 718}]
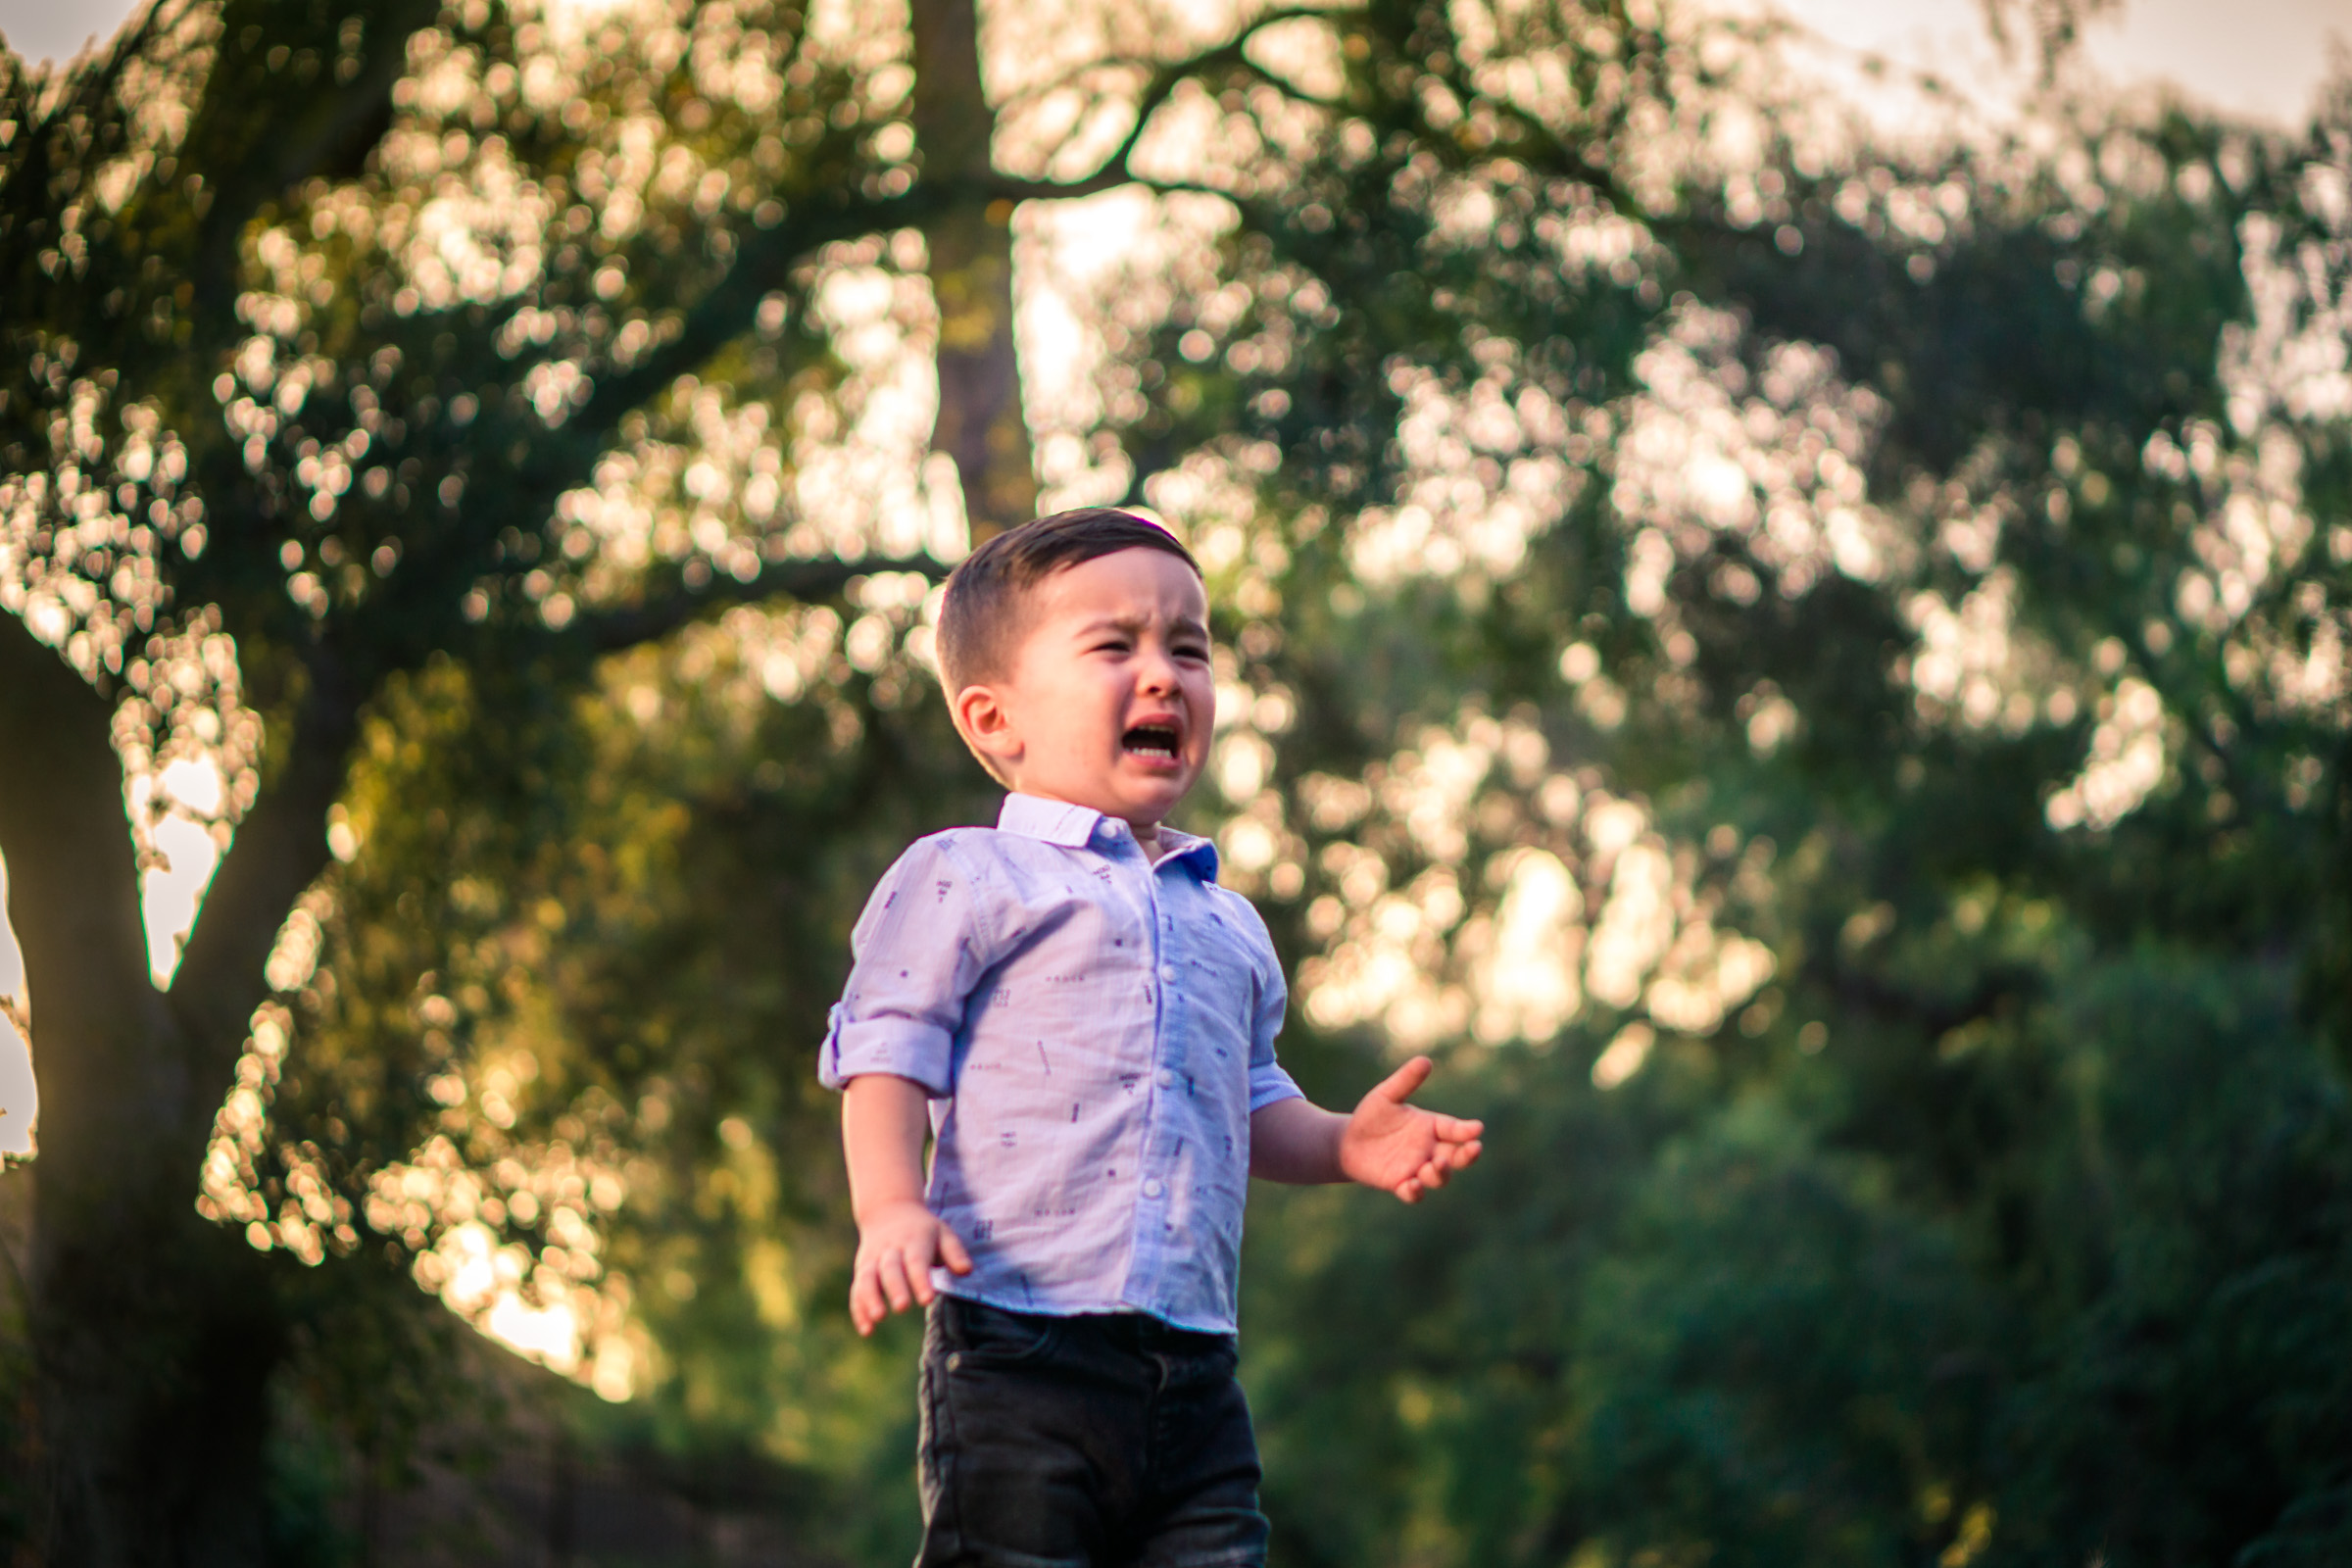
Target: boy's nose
[{"x": 1156, "y": 672}]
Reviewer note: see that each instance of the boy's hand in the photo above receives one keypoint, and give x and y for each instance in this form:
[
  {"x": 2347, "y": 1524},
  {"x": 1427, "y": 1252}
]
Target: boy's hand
[
  {"x": 1400, "y": 1147},
  {"x": 898, "y": 1247}
]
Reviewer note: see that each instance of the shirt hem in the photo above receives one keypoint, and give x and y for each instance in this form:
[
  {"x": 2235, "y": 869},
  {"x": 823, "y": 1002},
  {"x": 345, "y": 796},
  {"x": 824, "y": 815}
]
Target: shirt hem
[{"x": 963, "y": 1293}]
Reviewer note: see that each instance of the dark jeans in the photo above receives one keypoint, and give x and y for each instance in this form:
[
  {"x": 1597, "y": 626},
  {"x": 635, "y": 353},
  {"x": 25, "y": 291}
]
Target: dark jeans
[{"x": 1110, "y": 1442}]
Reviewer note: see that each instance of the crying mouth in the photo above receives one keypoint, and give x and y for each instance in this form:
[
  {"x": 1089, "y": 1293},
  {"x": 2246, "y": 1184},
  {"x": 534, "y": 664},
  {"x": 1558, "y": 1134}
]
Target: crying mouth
[{"x": 1155, "y": 740}]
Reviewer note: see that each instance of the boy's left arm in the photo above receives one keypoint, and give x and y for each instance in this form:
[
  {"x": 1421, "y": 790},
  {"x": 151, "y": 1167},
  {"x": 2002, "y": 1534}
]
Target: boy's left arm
[{"x": 1388, "y": 1143}]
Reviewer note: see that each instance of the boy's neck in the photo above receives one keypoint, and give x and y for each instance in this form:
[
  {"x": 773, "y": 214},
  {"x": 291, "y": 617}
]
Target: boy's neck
[{"x": 1147, "y": 838}]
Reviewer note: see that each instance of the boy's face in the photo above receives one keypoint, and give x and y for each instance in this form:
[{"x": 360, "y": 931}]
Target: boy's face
[{"x": 1110, "y": 701}]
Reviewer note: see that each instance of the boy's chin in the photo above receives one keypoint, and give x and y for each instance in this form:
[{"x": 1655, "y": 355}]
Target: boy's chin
[
  {"x": 1152, "y": 795},
  {"x": 1139, "y": 798}
]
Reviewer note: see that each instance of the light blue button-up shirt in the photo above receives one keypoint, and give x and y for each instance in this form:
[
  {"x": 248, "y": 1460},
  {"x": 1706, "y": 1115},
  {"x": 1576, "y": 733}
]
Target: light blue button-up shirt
[{"x": 1096, "y": 1030}]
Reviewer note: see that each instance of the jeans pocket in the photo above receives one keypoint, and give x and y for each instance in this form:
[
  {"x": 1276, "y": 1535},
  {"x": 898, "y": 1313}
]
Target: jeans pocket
[{"x": 990, "y": 1336}]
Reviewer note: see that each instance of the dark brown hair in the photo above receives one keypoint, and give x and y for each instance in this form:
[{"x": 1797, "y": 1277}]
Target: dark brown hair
[{"x": 980, "y": 622}]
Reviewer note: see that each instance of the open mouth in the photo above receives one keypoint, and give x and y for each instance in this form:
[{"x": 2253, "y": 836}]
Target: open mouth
[{"x": 1153, "y": 741}]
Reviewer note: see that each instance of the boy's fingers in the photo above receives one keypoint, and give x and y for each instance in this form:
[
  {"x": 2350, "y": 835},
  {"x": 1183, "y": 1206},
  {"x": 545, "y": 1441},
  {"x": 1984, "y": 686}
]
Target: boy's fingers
[
  {"x": 952, "y": 1252},
  {"x": 1399, "y": 1085},
  {"x": 1457, "y": 1129},
  {"x": 865, "y": 1301},
  {"x": 892, "y": 1272},
  {"x": 1408, "y": 1191}
]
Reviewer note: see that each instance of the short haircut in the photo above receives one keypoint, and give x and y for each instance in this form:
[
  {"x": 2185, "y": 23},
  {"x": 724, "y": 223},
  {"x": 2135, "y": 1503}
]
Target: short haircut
[{"x": 980, "y": 623}]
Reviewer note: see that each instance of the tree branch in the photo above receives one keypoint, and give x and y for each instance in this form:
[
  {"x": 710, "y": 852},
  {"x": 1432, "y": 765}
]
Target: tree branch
[
  {"x": 1164, "y": 79},
  {"x": 1290, "y": 89},
  {"x": 267, "y": 154},
  {"x": 1158, "y": 87},
  {"x": 1152, "y": 68},
  {"x": 609, "y": 631},
  {"x": 60, "y": 787},
  {"x": 104, "y": 1058},
  {"x": 281, "y": 844},
  {"x": 564, "y": 457},
  {"x": 726, "y": 308},
  {"x": 280, "y": 850}
]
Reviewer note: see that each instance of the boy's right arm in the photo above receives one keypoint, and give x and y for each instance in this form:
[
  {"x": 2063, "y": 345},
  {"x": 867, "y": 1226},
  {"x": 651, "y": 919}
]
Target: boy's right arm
[{"x": 899, "y": 1241}]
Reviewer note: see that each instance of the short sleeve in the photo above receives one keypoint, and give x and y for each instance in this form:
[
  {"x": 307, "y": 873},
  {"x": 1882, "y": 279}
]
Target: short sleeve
[
  {"x": 918, "y": 953},
  {"x": 1268, "y": 1083}
]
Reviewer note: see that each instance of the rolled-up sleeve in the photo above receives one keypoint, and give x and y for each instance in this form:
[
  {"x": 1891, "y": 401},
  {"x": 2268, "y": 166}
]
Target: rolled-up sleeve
[
  {"x": 1268, "y": 1082},
  {"x": 919, "y": 951}
]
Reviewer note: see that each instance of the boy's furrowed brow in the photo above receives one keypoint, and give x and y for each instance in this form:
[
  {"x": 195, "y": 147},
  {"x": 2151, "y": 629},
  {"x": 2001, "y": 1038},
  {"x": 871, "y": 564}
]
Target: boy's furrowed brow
[
  {"x": 1134, "y": 624},
  {"x": 1110, "y": 622}
]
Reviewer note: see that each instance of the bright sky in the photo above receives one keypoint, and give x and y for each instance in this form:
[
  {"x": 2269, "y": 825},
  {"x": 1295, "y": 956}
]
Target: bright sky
[{"x": 2263, "y": 59}]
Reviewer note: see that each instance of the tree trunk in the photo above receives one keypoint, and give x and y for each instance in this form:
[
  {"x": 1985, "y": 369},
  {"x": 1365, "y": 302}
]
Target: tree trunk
[
  {"x": 980, "y": 423},
  {"x": 153, "y": 1331}
]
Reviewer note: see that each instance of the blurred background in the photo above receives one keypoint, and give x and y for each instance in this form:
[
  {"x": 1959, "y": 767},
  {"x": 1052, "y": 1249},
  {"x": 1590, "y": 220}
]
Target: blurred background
[{"x": 1782, "y": 581}]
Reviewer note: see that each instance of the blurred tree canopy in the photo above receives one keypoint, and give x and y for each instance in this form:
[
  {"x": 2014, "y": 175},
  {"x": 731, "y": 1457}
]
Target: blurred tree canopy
[{"x": 1809, "y": 663}]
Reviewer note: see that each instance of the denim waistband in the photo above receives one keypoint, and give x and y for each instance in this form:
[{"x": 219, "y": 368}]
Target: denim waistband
[{"x": 1127, "y": 1331}]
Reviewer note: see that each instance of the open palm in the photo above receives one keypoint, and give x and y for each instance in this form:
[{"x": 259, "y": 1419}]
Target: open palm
[{"x": 1400, "y": 1147}]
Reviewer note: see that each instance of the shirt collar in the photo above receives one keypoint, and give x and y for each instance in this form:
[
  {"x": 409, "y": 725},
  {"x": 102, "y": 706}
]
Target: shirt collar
[
  {"x": 1055, "y": 821},
  {"x": 1074, "y": 827}
]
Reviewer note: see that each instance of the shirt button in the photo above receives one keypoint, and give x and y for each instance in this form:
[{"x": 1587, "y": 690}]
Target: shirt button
[
  {"x": 1167, "y": 1078},
  {"x": 1167, "y": 971},
  {"x": 1152, "y": 1188}
]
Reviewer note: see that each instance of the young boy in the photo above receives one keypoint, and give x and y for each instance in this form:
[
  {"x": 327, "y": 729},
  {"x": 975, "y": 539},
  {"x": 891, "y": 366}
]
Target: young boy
[{"x": 1085, "y": 1023}]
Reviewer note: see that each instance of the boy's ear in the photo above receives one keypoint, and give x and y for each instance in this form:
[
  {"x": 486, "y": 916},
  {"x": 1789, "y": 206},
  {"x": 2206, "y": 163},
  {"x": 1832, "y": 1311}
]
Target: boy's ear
[{"x": 987, "y": 724}]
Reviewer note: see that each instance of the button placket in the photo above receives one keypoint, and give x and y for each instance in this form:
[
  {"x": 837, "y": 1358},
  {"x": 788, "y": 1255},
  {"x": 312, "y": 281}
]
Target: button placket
[
  {"x": 1145, "y": 1240},
  {"x": 1152, "y": 1230}
]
